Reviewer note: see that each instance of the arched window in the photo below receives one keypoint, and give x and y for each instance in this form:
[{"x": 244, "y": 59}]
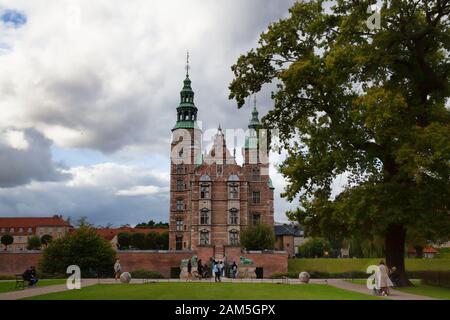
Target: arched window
[
  {"x": 180, "y": 204},
  {"x": 204, "y": 216},
  {"x": 233, "y": 191},
  {"x": 204, "y": 191},
  {"x": 204, "y": 237},
  {"x": 180, "y": 168},
  {"x": 234, "y": 218},
  {"x": 180, "y": 185},
  {"x": 233, "y": 237}
]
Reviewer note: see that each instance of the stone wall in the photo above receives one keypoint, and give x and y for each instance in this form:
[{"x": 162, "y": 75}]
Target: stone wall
[
  {"x": 162, "y": 262},
  {"x": 18, "y": 262}
]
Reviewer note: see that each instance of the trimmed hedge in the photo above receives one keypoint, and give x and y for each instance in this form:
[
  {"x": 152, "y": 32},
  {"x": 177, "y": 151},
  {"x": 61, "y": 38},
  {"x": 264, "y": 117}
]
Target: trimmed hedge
[
  {"x": 7, "y": 277},
  {"x": 436, "y": 278},
  {"x": 146, "y": 274}
]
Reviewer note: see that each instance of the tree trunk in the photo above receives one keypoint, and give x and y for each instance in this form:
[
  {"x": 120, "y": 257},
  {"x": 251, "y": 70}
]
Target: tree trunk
[{"x": 395, "y": 252}]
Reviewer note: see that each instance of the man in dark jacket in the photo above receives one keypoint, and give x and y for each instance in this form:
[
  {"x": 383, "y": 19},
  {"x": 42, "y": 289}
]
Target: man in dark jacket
[{"x": 30, "y": 276}]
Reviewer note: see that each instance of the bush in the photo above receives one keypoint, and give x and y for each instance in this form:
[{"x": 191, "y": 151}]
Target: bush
[
  {"x": 314, "y": 248},
  {"x": 84, "y": 248},
  {"x": 175, "y": 272},
  {"x": 146, "y": 274},
  {"x": 259, "y": 237},
  {"x": 124, "y": 240},
  {"x": 323, "y": 275},
  {"x": 6, "y": 240},
  {"x": 34, "y": 243},
  {"x": 435, "y": 278},
  {"x": 7, "y": 277}
]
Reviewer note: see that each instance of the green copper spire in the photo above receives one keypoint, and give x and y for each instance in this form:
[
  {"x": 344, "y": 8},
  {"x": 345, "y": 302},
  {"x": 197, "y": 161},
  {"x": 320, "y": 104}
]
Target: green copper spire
[
  {"x": 186, "y": 110},
  {"x": 254, "y": 121},
  {"x": 254, "y": 125}
]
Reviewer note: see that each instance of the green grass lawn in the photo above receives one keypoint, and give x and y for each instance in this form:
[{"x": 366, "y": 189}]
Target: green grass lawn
[
  {"x": 6, "y": 286},
  {"x": 348, "y": 265},
  {"x": 206, "y": 291},
  {"x": 419, "y": 289}
]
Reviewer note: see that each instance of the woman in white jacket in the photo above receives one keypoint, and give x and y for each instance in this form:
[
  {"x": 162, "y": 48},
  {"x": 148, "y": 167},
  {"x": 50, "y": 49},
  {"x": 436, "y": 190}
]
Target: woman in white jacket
[
  {"x": 382, "y": 281},
  {"x": 117, "y": 269}
]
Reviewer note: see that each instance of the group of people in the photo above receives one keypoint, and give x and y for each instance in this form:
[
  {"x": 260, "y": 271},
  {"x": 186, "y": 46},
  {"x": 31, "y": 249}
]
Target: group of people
[
  {"x": 217, "y": 269},
  {"x": 30, "y": 276}
]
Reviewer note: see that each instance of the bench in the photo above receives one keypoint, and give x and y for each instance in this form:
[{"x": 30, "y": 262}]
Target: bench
[{"x": 20, "y": 282}]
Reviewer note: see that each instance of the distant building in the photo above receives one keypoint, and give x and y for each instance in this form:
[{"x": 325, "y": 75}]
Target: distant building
[
  {"x": 110, "y": 234},
  {"x": 427, "y": 253},
  {"x": 288, "y": 238},
  {"x": 24, "y": 227}
]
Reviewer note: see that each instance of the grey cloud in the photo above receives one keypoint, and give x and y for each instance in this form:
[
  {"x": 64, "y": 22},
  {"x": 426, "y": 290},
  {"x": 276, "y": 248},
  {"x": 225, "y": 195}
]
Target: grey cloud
[{"x": 21, "y": 166}]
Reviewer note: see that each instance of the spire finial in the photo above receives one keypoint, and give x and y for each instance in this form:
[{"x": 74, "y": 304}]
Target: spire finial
[
  {"x": 187, "y": 64},
  {"x": 254, "y": 101}
]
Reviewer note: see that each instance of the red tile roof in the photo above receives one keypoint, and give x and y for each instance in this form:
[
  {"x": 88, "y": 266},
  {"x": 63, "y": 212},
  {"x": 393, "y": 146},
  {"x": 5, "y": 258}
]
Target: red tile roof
[
  {"x": 32, "y": 222},
  {"x": 429, "y": 250}
]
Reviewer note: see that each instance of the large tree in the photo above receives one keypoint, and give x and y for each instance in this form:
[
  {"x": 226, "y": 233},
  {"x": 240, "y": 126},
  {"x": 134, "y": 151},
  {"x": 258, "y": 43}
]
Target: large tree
[{"x": 364, "y": 102}]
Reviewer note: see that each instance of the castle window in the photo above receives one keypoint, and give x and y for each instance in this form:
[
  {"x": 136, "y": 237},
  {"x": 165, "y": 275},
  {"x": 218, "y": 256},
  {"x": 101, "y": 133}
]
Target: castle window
[
  {"x": 233, "y": 191},
  {"x": 256, "y": 174},
  {"x": 234, "y": 237},
  {"x": 256, "y": 219},
  {"x": 234, "y": 216},
  {"x": 179, "y": 225},
  {"x": 219, "y": 169},
  {"x": 180, "y": 185},
  {"x": 180, "y": 153},
  {"x": 204, "y": 237},
  {"x": 204, "y": 191},
  {"x": 204, "y": 216},
  {"x": 256, "y": 197},
  {"x": 179, "y": 243},
  {"x": 180, "y": 205},
  {"x": 180, "y": 168}
]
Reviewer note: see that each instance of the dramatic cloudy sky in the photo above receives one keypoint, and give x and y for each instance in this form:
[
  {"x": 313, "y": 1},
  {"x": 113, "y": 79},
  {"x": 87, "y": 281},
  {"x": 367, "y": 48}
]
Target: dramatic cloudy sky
[{"x": 88, "y": 91}]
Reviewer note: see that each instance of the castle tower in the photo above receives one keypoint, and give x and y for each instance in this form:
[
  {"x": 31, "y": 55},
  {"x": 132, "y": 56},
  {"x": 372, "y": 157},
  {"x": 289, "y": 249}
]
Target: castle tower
[
  {"x": 185, "y": 156},
  {"x": 256, "y": 170}
]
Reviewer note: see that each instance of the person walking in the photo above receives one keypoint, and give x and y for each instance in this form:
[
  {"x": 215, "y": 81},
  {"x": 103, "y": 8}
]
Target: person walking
[
  {"x": 234, "y": 270},
  {"x": 222, "y": 269},
  {"x": 189, "y": 270},
  {"x": 216, "y": 271},
  {"x": 383, "y": 279},
  {"x": 200, "y": 269},
  {"x": 117, "y": 269}
]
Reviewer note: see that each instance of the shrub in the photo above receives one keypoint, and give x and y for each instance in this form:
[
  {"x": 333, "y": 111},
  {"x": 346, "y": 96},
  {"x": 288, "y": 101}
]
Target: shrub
[
  {"x": 6, "y": 240},
  {"x": 146, "y": 274},
  {"x": 259, "y": 237},
  {"x": 7, "y": 277},
  {"x": 34, "y": 243},
  {"x": 124, "y": 240},
  {"x": 137, "y": 240},
  {"x": 435, "y": 278},
  {"x": 314, "y": 248},
  {"x": 84, "y": 248},
  {"x": 175, "y": 272}
]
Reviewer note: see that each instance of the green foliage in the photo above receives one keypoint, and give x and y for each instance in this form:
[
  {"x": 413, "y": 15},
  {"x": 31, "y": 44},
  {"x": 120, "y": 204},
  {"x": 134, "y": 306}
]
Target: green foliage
[
  {"x": 149, "y": 241},
  {"x": 259, "y": 237},
  {"x": 436, "y": 278},
  {"x": 34, "y": 243},
  {"x": 84, "y": 248},
  {"x": 137, "y": 241},
  {"x": 314, "y": 248},
  {"x": 46, "y": 239},
  {"x": 146, "y": 274},
  {"x": 367, "y": 103},
  {"x": 7, "y": 277},
  {"x": 6, "y": 240},
  {"x": 124, "y": 240},
  {"x": 152, "y": 224}
]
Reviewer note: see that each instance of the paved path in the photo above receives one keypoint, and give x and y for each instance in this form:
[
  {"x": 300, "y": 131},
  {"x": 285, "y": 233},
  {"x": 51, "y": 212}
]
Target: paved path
[
  {"x": 395, "y": 294},
  {"x": 29, "y": 292}
]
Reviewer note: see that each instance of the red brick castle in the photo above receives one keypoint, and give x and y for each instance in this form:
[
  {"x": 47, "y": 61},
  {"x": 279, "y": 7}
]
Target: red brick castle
[{"x": 212, "y": 198}]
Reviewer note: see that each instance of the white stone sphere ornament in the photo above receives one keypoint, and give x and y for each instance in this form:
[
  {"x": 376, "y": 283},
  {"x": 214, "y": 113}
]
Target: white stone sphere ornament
[
  {"x": 125, "y": 277},
  {"x": 304, "y": 277}
]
